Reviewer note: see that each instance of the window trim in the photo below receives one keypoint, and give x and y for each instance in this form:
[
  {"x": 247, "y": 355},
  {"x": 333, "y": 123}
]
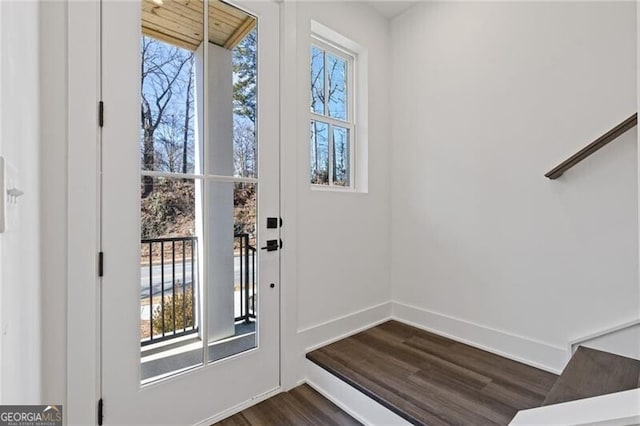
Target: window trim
[{"x": 350, "y": 124}]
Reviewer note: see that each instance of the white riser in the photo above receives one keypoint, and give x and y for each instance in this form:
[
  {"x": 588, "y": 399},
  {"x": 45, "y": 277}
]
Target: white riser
[{"x": 354, "y": 402}]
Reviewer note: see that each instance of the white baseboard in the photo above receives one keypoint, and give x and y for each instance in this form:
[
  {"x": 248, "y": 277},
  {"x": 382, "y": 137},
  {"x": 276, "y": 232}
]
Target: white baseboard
[
  {"x": 352, "y": 401},
  {"x": 336, "y": 329},
  {"x": 537, "y": 354},
  {"x": 615, "y": 409},
  {"x": 623, "y": 340},
  {"x": 236, "y": 409}
]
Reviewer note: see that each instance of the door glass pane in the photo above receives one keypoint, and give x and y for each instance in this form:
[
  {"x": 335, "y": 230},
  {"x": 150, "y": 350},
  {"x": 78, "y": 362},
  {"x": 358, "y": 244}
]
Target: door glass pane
[
  {"x": 167, "y": 130},
  {"x": 169, "y": 285},
  {"x": 244, "y": 106},
  {"x": 231, "y": 93},
  {"x": 231, "y": 148},
  {"x": 337, "y": 81},
  {"x": 319, "y": 157},
  {"x": 170, "y": 145},
  {"x": 232, "y": 280},
  {"x": 198, "y": 255}
]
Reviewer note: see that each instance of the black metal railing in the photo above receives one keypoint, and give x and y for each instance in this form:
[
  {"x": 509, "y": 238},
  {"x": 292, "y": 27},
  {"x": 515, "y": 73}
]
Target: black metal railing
[
  {"x": 170, "y": 287},
  {"x": 247, "y": 278}
]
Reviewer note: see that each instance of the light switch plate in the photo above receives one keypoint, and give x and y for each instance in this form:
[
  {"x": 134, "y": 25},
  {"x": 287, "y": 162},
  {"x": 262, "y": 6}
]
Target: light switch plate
[
  {"x": 3, "y": 196},
  {"x": 9, "y": 194}
]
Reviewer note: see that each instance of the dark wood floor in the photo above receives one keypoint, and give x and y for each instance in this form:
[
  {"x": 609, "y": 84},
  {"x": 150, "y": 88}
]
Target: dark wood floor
[
  {"x": 592, "y": 373},
  {"x": 300, "y": 406},
  {"x": 428, "y": 379}
]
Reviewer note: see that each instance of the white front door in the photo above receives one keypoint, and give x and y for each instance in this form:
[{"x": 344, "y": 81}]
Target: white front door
[{"x": 189, "y": 300}]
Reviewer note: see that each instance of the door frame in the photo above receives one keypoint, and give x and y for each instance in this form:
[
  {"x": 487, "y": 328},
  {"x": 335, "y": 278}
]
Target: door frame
[
  {"x": 292, "y": 354},
  {"x": 83, "y": 344},
  {"x": 83, "y": 339}
]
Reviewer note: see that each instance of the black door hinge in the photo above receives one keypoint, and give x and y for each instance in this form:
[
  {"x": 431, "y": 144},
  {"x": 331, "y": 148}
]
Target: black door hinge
[
  {"x": 101, "y": 114},
  {"x": 100, "y": 264},
  {"x": 100, "y": 415}
]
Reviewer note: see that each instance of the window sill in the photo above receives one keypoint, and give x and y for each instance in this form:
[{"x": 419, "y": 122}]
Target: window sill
[{"x": 325, "y": 188}]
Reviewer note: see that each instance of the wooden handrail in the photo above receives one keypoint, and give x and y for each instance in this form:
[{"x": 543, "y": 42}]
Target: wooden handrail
[{"x": 612, "y": 134}]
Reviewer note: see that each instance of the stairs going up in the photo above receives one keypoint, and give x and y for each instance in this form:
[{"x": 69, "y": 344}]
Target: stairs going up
[
  {"x": 591, "y": 372},
  {"x": 428, "y": 379}
]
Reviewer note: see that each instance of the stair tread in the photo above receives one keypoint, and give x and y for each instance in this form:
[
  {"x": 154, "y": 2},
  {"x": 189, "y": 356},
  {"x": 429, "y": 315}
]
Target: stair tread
[
  {"x": 429, "y": 379},
  {"x": 591, "y": 372},
  {"x": 302, "y": 405}
]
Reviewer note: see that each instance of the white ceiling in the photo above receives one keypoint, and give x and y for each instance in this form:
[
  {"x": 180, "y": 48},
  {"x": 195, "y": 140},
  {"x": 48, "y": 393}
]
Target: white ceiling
[{"x": 391, "y": 9}]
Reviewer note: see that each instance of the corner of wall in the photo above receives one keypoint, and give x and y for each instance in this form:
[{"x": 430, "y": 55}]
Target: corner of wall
[
  {"x": 477, "y": 231},
  {"x": 338, "y": 328}
]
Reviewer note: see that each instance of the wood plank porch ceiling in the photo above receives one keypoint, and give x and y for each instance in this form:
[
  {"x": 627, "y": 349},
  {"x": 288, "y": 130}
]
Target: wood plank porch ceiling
[{"x": 180, "y": 22}]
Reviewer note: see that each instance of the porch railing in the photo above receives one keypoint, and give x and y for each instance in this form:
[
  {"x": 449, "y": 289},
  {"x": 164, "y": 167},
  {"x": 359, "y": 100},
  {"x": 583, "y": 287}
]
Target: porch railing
[
  {"x": 247, "y": 269},
  {"x": 169, "y": 286}
]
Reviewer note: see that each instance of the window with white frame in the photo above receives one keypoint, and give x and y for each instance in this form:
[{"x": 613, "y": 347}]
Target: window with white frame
[{"x": 332, "y": 124}]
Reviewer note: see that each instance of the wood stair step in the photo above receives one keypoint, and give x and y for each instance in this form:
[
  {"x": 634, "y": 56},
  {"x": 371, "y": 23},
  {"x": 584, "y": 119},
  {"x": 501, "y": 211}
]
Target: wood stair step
[
  {"x": 301, "y": 406},
  {"x": 429, "y": 379},
  {"x": 591, "y": 372}
]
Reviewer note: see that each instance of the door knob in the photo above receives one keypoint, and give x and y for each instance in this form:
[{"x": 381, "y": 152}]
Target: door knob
[{"x": 272, "y": 245}]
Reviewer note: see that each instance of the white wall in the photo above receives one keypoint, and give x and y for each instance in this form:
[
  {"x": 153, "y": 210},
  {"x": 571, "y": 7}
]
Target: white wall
[
  {"x": 335, "y": 264},
  {"x": 1, "y": 138},
  {"x": 33, "y": 138},
  {"x": 20, "y": 280},
  {"x": 488, "y": 97},
  {"x": 1, "y": 310},
  {"x": 342, "y": 247}
]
